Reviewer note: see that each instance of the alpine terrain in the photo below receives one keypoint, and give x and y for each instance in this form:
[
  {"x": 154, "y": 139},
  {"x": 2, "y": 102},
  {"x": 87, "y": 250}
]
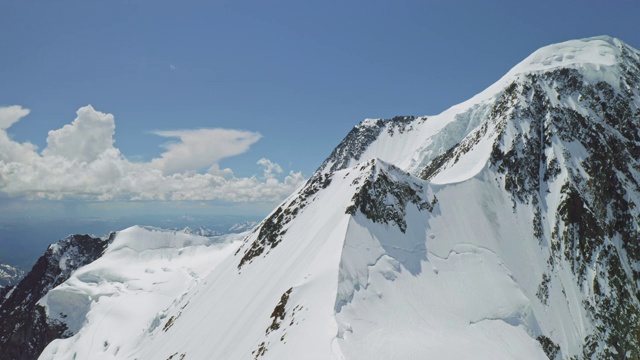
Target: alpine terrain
[
  {"x": 506, "y": 227},
  {"x": 9, "y": 275}
]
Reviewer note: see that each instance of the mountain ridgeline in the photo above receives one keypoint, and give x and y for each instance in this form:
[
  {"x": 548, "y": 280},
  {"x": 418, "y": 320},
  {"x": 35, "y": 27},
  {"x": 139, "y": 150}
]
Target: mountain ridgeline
[
  {"x": 565, "y": 143},
  {"x": 505, "y": 227},
  {"x": 542, "y": 119}
]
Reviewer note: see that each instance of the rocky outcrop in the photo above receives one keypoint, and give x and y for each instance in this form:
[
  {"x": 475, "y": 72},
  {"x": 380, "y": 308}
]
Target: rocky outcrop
[{"x": 25, "y": 330}]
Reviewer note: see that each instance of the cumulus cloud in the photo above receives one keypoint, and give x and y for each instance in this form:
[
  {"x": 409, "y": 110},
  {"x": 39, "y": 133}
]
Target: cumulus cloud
[
  {"x": 85, "y": 139},
  {"x": 11, "y": 114},
  {"x": 10, "y": 150},
  {"x": 81, "y": 162},
  {"x": 271, "y": 169}
]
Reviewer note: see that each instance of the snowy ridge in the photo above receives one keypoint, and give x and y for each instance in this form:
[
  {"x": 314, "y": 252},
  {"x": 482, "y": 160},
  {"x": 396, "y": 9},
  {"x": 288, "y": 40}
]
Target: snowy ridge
[
  {"x": 426, "y": 138},
  {"x": 514, "y": 164},
  {"x": 300, "y": 283},
  {"x": 141, "y": 274},
  {"x": 590, "y": 53}
]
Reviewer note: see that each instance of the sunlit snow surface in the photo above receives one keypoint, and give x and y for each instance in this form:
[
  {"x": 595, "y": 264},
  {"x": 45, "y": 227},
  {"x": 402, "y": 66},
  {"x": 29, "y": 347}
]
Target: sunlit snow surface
[
  {"x": 460, "y": 283},
  {"x": 118, "y": 300}
]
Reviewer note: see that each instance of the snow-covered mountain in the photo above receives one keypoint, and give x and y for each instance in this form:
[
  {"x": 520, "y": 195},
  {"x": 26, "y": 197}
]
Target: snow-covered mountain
[
  {"x": 83, "y": 285},
  {"x": 243, "y": 226},
  {"x": 235, "y": 228},
  {"x": 505, "y": 227},
  {"x": 143, "y": 274},
  {"x": 201, "y": 231},
  {"x": 9, "y": 275},
  {"x": 25, "y": 329}
]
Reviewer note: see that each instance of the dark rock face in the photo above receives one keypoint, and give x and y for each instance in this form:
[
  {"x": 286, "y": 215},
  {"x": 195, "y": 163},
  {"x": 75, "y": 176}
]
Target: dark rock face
[
  {"x": 384, "y": 194},
  {"x": 25, "y": 330},
  {"x": 596, "y": 208}
]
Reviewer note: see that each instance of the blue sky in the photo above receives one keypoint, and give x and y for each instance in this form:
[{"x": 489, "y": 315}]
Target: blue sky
[{"x": 259, "y": 92}]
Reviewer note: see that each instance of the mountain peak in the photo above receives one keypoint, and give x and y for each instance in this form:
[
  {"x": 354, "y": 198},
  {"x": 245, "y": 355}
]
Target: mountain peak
[{"x": 593, "y": 52}]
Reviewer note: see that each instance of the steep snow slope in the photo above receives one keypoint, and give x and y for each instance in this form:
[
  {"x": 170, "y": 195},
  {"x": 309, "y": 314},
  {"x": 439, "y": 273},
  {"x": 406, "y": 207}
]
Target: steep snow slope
[
  {"x": 505, "y": 227},
  {"x": 385, "y": 277},
  {"x": 347, "y": 269}
]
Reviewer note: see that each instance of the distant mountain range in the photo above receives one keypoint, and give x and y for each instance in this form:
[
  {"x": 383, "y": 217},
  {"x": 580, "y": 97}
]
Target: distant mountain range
[{"x": 9, "y": 275}]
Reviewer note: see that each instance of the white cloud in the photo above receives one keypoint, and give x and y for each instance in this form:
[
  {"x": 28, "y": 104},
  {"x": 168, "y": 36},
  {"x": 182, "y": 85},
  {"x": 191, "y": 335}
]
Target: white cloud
[
  {"x": 81, "y": 162},
  {"x": 215, "y": 170},
  {"x": 271, "y": 169},
  {"x": 172, "y": 67},
  {"x": 86, "y": 138},
  {"x": 11, "y": 114},
  {"x": 10, "y": 150},
  {"x": 201, "y": 148}
]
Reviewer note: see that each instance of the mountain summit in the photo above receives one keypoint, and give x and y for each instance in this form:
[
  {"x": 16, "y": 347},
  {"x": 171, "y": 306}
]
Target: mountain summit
[{"x": 505, "y": 227}]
